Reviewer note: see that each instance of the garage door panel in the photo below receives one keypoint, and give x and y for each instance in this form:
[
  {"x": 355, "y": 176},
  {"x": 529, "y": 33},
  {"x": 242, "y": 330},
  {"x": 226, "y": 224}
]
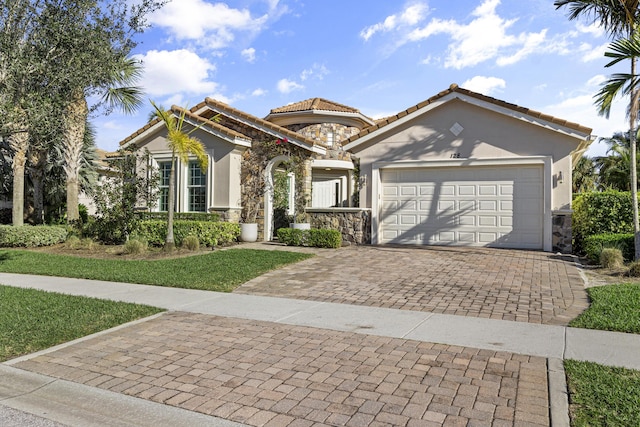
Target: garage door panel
[{"x": 481, "y": 206}]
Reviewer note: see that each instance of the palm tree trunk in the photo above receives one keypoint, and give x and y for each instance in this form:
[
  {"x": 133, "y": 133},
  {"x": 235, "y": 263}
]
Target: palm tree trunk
[
  {"x": 633, "y": 120},
  {"x": 19, "y": 143},
  {"x": 73, "y": 139},
  {"x": 169, "y": 243},
  {"x": 37, "y": 161}
]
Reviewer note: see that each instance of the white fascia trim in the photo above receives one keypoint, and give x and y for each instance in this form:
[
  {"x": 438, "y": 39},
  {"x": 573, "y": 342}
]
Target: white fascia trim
[
  {"x": 213, "y": 131},
  {"x": 314, "y": 149},
  {"x": 474, "y": 101},
  {"x": 144, "y": 134},
  {"x": 347, "y": 119},
  {"x": 520, "y": 116},
  {"x": 545, "y": 161},
  {"x": 333, "y": 164}
]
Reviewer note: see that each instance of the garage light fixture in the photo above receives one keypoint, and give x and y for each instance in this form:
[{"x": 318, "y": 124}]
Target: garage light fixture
[{"x": 560, "y": 177}]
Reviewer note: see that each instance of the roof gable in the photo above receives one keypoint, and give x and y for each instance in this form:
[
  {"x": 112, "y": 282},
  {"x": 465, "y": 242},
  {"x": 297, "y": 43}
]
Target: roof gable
[
  {"x": 315, "y": 104},
  {"x": 455, "y": 92},
  {"x": 261, "y": 125}
]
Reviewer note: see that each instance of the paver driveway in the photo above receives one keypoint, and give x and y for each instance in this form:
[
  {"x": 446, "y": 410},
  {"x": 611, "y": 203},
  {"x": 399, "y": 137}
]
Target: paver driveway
[
  {"x": 266, "y": 374},
  {"x": 524, "y": 286}
]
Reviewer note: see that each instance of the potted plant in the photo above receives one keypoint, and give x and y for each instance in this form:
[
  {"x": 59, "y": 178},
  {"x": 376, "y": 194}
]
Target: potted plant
[{"x": 253, "y": 185}]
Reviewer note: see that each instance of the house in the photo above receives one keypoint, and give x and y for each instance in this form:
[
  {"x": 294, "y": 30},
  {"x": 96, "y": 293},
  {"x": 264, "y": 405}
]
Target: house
[{"x": 460, "y": 168}]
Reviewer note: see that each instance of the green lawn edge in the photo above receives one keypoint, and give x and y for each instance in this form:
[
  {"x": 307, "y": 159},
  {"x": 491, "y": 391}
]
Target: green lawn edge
[
  {"x": 32, "y": 320},
  {"x": 220, "y": 271}
]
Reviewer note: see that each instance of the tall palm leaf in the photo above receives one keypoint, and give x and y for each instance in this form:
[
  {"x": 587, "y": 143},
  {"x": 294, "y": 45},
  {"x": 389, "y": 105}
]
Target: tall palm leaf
[
  {"x": 620, "y": 19},
  {"x": 182, "y": 145},
  {"x": 584, "y": 175},
  {"x": 119, "y": 92}
]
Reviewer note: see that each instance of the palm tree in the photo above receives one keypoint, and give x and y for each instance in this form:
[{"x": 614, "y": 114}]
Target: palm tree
[
  {"x": 118, "y": 92},
  {"x": 619, "y": 18},
  {"x": 182, "y": 145},
  {"x": 584, "y": 175}
]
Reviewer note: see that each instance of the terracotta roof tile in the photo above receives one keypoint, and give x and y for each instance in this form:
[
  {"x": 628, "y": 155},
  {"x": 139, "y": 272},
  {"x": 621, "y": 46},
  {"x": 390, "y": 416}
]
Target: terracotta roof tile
[
  {"x": 230, "y": 132},
  {"x": 455, "y": 88},
  {"x": 315, "y": 104},
  {"x": 275, "y": 128}
]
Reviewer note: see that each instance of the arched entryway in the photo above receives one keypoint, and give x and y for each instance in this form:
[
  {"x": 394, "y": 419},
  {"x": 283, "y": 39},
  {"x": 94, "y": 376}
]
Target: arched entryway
[{"x": 269, "y": 193}]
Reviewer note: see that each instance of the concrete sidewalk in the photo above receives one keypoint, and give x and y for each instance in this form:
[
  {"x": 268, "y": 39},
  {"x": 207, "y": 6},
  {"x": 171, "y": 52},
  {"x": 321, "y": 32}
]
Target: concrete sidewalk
[
  {"x": 77, "y": 404},
  {"x": 551, "y": 341}
]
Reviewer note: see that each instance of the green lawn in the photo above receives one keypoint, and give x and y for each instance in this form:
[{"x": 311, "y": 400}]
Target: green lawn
[
  {"x": 603, "y": 396},
  {"x": 613, "y": 308},
  {"x": 214, "y": 271},
  {"x": 32, "y": 320}
]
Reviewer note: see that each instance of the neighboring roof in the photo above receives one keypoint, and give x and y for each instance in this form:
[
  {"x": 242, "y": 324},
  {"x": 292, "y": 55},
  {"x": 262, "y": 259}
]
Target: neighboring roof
[
  {"x": 241, "y": 116},
  {"x": 315, "y": 104},
  {"x": 454, "y": 88}
]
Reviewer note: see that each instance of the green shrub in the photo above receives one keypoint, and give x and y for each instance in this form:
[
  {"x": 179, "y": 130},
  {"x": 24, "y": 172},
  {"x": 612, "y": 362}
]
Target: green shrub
[
  {"x": 135, "y": 246},
  {"x": 209, "y": 233},
  {"x": 28, "y": 236},
  {"x": 324, "y": 238},
  {"x": 315, "y": 237},
  {"x": 179, "y": 216},
  {"x": 611, "y": 258},
  {"x": 599, "y": 213},
  {"x": 88, "y": 244},
  {"x": 191, "y": 243},
  {"x": 593, "y": 245},
  {"x": 290, "y": 236}
]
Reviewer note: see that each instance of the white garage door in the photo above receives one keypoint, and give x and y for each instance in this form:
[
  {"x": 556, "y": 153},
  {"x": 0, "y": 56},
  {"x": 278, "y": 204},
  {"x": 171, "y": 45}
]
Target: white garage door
[{"x": 464, "y": 206}]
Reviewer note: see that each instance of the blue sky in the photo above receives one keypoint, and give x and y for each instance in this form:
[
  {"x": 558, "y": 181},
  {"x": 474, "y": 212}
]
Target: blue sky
[{"x": 378, "y": 56}]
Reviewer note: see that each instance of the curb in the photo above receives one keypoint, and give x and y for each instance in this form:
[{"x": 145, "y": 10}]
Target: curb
[{"x": 558, "y": 394}]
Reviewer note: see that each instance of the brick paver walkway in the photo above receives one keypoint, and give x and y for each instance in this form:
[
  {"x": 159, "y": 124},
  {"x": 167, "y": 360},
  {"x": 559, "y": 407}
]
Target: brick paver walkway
[
  {"x": 269, "y": 374},
  {"x": 524, "y": 286}
]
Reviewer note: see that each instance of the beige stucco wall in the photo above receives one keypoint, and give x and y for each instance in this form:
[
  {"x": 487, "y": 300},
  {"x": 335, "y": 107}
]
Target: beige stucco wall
[
  {"x": 223, "y": 173},
  {"x": 486, "y": 135}
]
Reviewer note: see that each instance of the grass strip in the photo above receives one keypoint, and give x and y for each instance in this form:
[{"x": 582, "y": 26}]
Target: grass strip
[
  {"x": 215, "y": 271},
  {"x": 32, "y": 320},
  {"x": 613, "y": 308},
  {"x": 602, "y": 396}
]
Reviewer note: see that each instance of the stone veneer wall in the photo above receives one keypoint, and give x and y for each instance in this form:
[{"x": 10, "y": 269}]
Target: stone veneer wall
[
  {"x": 318, "y": 131},
  {"x": 353, "y": 223},
  {"x": 561, "y": 232}
]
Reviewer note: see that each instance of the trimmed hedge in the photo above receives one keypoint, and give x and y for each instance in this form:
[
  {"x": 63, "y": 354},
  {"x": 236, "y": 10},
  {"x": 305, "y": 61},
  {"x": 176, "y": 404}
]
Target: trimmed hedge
[
  {"x": 209, "y": 233},
  {"x": 29, "y": 236},
  {"x": 593, "y": 245},
  {"x": 182, "y": 216},
  {"x": 601, "y": 213},
  {"x": 315, "y": 237}
]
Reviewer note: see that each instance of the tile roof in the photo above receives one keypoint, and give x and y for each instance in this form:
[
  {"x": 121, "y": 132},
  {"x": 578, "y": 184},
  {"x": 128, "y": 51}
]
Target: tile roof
[
  {"x": 315, "y": 104},
  {"x": 455, "y": 88},
  {"x": 265, "y": 124},
  {"x": 178, "y": 110}
]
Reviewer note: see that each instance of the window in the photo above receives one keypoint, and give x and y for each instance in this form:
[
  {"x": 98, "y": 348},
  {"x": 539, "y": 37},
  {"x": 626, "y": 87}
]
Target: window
[
  {"x": 330, "y": 139},
  {"x": 163, "y": 188},
  {"x": 197, "y": 186}
]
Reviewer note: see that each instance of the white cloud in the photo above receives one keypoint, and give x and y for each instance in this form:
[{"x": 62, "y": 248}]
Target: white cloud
[
  {"x": 488, "y": 36},
  {"x": 259, "y": 92},
  {"x": 594, "y": 29},
  {"x": 112, "y": 125},
  {"x": 580, "y": 108},
  {"x": 485, "y": 85},
  {"x": 410, "y": 16},
  {"x": 177, "y": 71},
  {"x": 595, "y": 53},
  {"x": 213, "y": 24},
  {"x": 317, "y": 70},
  {"x": 287, "y": 86},
  {"x": 249, "y": 54}
]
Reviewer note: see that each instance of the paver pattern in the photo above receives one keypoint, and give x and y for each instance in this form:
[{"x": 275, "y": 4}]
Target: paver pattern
[
  {"x": 266, "y": 374},
  {"x": 523, "y": 286}
]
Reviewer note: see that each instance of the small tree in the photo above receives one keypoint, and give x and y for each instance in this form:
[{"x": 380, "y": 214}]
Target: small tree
[
  {"x": 130, "y": 183},
  {"x": 181, "y": 145}
]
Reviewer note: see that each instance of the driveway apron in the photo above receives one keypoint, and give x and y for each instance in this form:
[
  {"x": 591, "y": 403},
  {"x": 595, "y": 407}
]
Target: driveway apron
[{"x": 523, "y": 286}]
